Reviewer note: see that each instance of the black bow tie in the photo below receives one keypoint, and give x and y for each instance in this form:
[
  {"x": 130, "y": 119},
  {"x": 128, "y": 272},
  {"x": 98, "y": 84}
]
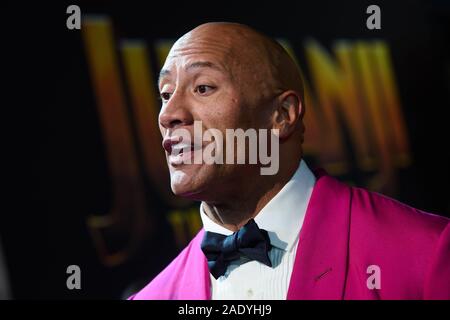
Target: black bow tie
[{"x": 250, "y": 241}]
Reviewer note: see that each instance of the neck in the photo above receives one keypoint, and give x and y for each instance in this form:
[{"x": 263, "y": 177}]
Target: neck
[{"x": 237, "y": 210}]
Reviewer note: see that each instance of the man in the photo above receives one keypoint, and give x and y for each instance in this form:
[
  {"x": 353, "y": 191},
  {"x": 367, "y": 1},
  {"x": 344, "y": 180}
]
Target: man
[{"x": 290, "y": 235}]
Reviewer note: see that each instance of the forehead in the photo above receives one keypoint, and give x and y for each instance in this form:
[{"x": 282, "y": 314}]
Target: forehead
[{"x": 190, "y": 49}]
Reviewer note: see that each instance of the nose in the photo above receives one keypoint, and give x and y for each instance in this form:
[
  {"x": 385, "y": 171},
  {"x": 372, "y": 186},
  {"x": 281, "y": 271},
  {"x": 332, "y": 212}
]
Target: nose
[{"x": 175, "y": 113}]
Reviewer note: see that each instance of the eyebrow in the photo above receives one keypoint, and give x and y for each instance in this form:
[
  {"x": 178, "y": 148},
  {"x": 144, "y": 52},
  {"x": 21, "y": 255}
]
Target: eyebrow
[
  {"x": 194, "y": 65},
  {"x": 163, "y": 73}
]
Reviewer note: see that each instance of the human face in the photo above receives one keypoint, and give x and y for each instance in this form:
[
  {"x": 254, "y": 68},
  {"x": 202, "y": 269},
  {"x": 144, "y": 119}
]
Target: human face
[{"x": 202, "y": 80}]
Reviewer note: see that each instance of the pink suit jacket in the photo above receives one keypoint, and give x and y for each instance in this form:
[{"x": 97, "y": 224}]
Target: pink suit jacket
[{"x": 346, "y": 230}]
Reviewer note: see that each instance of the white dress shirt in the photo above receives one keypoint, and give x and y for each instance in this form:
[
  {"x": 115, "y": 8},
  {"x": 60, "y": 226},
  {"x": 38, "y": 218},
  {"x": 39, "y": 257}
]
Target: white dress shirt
[{"x": 282, "y": 217}]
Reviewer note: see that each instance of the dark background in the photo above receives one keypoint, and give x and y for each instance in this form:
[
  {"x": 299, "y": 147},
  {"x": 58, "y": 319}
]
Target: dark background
[{"x": 56, "y": 167}]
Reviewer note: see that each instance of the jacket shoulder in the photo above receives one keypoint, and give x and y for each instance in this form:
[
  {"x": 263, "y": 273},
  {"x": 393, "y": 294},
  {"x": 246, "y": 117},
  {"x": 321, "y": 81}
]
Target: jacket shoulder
[
  {"x": 387, "y": 212},
  {"x": 406, "y": 243}
]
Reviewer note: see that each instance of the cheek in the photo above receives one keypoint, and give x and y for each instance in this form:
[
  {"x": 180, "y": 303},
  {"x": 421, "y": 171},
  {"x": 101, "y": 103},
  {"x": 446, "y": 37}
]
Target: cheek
[{"x": 225, "y": 112}]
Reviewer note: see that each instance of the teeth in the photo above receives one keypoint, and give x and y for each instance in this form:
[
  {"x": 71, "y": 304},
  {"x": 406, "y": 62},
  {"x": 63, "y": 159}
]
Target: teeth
[{"x": 181, "y": 147}]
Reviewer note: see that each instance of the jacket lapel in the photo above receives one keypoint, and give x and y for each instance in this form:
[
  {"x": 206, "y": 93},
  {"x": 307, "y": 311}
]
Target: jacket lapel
[
  {"x": 194, "y": 278},
  {"x": 321, "y": 260}
]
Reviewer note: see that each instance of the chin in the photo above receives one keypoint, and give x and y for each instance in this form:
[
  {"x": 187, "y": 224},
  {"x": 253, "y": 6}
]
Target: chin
[
  {"x": 182, "y": 183},
  {"x": 189, "y": 183}
]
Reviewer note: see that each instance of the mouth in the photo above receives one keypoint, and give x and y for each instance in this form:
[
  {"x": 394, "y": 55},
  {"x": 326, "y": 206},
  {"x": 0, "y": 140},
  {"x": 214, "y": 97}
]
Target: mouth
[{"x": 180, "y": 152}]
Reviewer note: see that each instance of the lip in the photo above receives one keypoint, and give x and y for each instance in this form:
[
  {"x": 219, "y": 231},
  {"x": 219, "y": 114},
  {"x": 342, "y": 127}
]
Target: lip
[
  {"x": 183, "y": 158},
  {"x": 169, "y": 142},
  {"x": 180, "y": 152}
]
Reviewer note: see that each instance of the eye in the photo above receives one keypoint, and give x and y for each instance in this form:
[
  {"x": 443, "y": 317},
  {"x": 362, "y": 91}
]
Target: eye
[
  {"x": 204, "y": 89},
  {"x": 165, "y": 96}
]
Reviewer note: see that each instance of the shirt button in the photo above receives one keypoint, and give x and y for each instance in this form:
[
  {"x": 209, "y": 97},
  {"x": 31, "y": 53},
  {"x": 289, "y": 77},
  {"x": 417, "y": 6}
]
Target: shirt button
[{"x": 249, "y": 293}]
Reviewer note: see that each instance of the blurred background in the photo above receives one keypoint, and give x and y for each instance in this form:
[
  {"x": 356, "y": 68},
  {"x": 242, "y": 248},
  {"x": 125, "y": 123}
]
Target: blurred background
[{"x": 88, "y": 180}]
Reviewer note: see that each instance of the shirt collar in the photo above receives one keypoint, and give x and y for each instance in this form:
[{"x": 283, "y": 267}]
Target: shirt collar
[{"x": 283, "y": 215}]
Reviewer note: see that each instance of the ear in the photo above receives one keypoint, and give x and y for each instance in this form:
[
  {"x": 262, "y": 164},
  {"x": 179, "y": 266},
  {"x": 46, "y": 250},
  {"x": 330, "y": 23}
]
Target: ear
[{"x": 288, "y": 113}]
